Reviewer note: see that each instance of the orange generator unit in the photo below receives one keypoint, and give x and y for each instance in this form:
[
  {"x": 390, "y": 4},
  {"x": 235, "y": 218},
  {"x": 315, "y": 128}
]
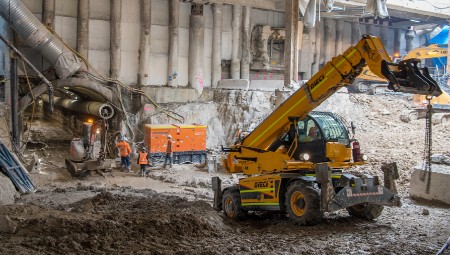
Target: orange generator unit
[{"x": 189, "y": 142}]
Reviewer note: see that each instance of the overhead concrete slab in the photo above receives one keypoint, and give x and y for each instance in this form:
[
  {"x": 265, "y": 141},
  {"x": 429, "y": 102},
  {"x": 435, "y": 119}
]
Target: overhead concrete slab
[
  {"x": 233, "y": 84},
  {"x": 266, "y": 85},
  {"x": 439, "y": 180}
]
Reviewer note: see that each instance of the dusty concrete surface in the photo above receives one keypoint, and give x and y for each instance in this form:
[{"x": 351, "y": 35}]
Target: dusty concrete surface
[
  {"x": 438, "y": 191},
  {"x": 170, "y": 212}
]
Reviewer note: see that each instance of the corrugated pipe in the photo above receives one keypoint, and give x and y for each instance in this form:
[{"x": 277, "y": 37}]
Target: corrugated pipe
[
  {"x": 39, "y": 38},
  {"x": 99, "y": 109}
]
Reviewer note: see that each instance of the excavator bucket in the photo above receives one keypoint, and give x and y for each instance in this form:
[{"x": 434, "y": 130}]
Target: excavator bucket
[{"x": 407, "y": 77}]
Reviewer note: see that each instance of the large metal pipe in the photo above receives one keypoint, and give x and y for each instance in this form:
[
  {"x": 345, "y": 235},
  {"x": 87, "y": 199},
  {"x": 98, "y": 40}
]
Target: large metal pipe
[
  {"x": 99, "y": 109},
  {"x": 39, "y": 38}
]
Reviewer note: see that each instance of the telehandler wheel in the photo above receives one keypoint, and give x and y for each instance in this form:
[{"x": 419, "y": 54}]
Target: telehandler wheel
[
  {"x": 303, "y": 203},
  {"x": 366, "y": 211},
  {"x": 231, "y": 204}
]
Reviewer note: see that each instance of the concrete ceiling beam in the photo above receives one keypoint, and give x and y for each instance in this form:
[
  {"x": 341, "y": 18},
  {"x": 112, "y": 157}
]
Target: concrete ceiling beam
[
  {"x": 258, "y": 4},
  {"x": 419, "y": 7}
]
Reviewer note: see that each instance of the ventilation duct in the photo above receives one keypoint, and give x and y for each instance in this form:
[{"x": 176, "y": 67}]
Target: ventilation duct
[{"x": 39, "y": 38}]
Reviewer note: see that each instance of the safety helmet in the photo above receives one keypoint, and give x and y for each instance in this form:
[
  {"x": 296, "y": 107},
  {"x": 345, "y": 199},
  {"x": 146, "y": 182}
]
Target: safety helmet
[
  {"x": 144, "y": 149},
  {"x": 169, "y": 137}
]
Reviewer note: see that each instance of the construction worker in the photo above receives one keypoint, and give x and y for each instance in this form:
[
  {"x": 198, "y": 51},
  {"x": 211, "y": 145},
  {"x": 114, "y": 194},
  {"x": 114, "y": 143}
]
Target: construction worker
[
  {"x": 169, "y": 151},
  {"x": 143, "y": 161},
  {"x": 124, "y": 151}
]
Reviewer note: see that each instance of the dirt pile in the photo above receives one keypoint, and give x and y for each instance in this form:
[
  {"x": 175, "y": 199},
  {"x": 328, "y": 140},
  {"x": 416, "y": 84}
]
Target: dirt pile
[
  {"x": 149, "y": 223},
  {"x": 109, "y": 222}
]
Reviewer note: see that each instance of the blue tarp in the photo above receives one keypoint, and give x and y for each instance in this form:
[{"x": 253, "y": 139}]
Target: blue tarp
[{"x": 441, "y": 38}]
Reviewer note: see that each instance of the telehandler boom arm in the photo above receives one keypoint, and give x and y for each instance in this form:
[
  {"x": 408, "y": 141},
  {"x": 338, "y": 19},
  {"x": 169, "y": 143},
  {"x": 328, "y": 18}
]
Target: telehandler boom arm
[{"x": 340, "y": 72}]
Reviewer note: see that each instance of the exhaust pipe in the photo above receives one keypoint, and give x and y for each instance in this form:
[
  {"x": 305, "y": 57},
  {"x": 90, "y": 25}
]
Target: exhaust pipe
[{"x": 39, "y": 38}]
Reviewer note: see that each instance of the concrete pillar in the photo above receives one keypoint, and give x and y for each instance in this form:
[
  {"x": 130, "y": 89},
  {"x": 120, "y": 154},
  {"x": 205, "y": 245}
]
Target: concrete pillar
[
  {"x": 235, "y": 33},
  {"x": 216, "y": 68},
  {"x": 321, "y": 52},
  {"x": 174, "y": 20},
  {"x": 295, "y": 38},
  {"x": 397, "y": 40},
  {"x": 83, "y": 28},
  {"x": 307, "y": 53},
  {"x": 448, "y": 59},
  {"x": 246, "y": 36},
  {"x": 316, "y": 50},
  {"x": 355, "y": 32},
  {"x": 291, "y": 42},
  {"x": 384, "y": 32},
  {"x": 144, "y": 45},
  {"x": 115, "y": 57},
  {"x": 328, "y": 39},
  {"x": 48, "y": 13},
  {"x": 339, "y": 36},
  {"x": 370, "y": 27},
  {"x": 409, "y": 36},
  {"x": 196, "y": 43},
  {"x": 14, "y": 96}
]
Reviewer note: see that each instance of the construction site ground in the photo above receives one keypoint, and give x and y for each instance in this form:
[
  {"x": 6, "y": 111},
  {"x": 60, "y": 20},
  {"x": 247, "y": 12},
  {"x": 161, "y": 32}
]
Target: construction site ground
[{"x": 170, "y": 212}]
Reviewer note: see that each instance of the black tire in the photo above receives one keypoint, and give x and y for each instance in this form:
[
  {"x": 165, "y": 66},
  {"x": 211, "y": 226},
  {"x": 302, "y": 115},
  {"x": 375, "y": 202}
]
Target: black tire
[
  {"x": 303, "y": 203},
  {"x": 365, "y": 211},
  {"x": 231, "y": 204}
]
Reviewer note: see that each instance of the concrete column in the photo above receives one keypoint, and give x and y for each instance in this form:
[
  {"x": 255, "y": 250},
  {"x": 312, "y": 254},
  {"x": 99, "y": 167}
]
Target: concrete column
[
  {"x": 48, "y": 13},
  {"x": 174, "y": 20},
  {"x": 288, "y": 45},
  {"x": 14, "y": 96},
  {"x": 196, "y": 43},
  {"x": 295, "y": 39},
  {"x": 246, "y": 36},
  {"x": 339, "y": 36},
  {"x": 321, "y": 52},
  {"x": 384, "y": 32},
  {"x": 370, "y": 27},
  {"x": 115, "y": 57},
  {"x": 409, "y": 36},
  {"x": 355, "y": 32},
  {"x": 397, "y": 40},
  {"x": 448, "y": 59},
  {"x": 316, "y": 50},
  {"x": 144, "y": 45},
  {"x": 328, "y": 39},
  {"x": 83, "y": 28},
  {"x": 307, "y": 53},
  {"x": 216, "y": 74},
  {"x": 235, "y": 33}
]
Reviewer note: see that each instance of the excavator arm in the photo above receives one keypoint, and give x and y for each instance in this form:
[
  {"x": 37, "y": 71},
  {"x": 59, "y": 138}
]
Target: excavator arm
[{"x": 337, "y": 73}]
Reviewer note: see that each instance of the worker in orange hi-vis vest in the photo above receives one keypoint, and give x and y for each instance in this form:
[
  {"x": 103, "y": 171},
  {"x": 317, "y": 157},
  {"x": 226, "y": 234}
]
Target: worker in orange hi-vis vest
[
  {"x": 143, "y": 161},
  {"x": 169, "y": 151},
  {"x": 124, "y": 151}
]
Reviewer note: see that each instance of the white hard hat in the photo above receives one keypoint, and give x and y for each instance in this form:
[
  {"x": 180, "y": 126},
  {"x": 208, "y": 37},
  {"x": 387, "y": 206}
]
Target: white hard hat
[{"x": 169, "y": 137}]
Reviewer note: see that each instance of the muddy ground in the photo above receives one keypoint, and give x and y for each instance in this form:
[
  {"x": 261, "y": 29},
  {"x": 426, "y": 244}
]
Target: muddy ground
[{"x": 170, "y": 212}]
